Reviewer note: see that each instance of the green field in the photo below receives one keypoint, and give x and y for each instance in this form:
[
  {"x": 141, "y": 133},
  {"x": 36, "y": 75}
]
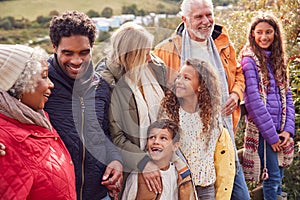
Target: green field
[{"x": 30, "y": 9}]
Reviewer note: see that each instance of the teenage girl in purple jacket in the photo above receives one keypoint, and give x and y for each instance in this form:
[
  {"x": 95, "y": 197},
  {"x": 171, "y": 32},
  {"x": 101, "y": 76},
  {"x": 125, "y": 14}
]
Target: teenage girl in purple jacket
[{"x": 268, "y": 100}]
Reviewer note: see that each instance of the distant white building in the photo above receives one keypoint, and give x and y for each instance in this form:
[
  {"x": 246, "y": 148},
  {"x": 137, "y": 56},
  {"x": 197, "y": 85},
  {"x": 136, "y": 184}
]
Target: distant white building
[
  {"x": 220, "y": 8},
  {"x": 102, "y": 26},
  {"x": 105, "y": 24},
  {"x": 126, "y": 17},
  {"x": 143, "y": 20}
]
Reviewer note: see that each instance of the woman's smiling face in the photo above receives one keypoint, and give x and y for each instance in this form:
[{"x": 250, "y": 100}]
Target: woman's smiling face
[{"x": 37, "y": 99}]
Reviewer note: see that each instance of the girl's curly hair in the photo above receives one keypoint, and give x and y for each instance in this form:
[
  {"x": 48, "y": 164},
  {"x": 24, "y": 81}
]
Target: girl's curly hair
[{"x": 209, "y": 98}]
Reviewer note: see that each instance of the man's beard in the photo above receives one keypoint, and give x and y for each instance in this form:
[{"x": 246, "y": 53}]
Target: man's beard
[{"x": 202, "y": 36}]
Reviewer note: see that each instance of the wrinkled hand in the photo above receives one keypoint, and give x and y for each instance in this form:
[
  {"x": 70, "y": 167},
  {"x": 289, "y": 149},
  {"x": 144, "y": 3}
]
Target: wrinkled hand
[
  {"x": 113, "y": 178},
  {"x": 152, "y": 177},
  {"x": 230, "y": 105},
  {"x": 284, "y": 137},
  {"x": 2, "y": 150}
]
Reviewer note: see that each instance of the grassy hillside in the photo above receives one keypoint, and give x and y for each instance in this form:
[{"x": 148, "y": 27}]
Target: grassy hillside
[{"x": 30, "y": 9}]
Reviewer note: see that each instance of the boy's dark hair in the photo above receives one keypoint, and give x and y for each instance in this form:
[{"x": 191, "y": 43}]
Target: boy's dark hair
[
  {"x": 168, "y": 124},
  {"x": 71, "y": 23}
]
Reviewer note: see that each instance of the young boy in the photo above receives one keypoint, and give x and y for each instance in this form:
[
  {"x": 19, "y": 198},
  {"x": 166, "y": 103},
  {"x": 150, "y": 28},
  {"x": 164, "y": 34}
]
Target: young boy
[{"x": 163, "y": 140}]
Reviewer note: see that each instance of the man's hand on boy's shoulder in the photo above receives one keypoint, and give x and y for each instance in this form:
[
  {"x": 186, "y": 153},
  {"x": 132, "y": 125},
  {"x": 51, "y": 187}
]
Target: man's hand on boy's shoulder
[{"x": 152, "y": 177}]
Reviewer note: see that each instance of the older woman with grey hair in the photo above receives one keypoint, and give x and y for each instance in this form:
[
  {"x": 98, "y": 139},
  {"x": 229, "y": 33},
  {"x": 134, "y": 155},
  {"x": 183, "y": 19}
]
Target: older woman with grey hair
[{"x": 36, "y": 163}]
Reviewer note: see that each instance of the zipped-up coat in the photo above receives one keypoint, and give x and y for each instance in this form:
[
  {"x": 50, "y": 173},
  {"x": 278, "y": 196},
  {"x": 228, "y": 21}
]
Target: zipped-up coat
[
  {"x": 267, "y": 117},
  {"x": 79, "y": 112}
]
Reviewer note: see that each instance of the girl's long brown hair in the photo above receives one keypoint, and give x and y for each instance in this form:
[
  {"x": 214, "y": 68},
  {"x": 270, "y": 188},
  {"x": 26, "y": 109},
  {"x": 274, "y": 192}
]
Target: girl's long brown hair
[{"x": 277, "y": 59}]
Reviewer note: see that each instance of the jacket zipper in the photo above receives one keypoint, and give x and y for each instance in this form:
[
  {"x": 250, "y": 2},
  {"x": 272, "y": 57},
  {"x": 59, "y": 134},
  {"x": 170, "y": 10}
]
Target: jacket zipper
[{"x": 83, "y": 146}]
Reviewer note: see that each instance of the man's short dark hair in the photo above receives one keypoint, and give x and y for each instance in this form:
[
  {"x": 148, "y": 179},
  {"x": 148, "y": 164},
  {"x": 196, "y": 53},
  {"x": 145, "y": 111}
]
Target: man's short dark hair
[
  {"x": 168, "y": 124},
  {"x": 71, "y": 23}
]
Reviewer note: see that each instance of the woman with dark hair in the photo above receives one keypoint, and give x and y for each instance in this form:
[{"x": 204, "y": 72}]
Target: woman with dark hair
[{"x": 268, "y": 100}]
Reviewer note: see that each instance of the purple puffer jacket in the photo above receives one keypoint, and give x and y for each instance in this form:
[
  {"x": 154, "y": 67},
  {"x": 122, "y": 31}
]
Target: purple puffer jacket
[{"x": 267, "y": 118}]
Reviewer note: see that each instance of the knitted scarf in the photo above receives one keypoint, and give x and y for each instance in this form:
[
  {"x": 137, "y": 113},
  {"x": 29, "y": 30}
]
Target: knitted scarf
[
  {"x": 251, "y": 160},
  {"x": 148, "y": 96},
  {"x": 15, "y": 109}
]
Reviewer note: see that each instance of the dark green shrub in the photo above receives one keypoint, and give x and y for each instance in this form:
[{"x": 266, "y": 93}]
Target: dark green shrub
[
  {"x": 92, "y": 13},
  {"x": 107, "y": 12},
  {"x": 6, "y": 24}
]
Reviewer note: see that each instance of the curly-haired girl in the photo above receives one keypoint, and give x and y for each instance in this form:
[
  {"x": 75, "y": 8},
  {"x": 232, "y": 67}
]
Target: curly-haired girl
[{"x": 195, "y": 104}]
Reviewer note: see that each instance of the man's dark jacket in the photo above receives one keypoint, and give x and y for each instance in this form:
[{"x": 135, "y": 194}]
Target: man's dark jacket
[{"x": 78, "y": 110}]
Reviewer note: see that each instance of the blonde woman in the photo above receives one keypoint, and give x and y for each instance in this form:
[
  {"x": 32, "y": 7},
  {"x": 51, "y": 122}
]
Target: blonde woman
[{"x": 137, "y": 80}]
